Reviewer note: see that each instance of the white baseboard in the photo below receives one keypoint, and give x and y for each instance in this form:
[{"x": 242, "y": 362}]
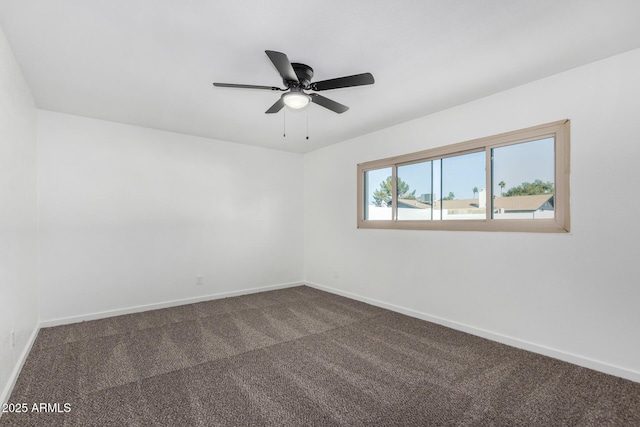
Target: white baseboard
[
  {"x": 166, "y": 304},
  {"x": 6, "y": 393},
  {"x": 575, "y": 359}
]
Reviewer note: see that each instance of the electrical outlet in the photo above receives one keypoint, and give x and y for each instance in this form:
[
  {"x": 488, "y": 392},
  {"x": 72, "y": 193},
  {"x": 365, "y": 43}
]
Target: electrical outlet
[
  {"x": 199, "y": 281},
  {"x": 336, "y": 274},
  {"x": 12, "y": 340}
]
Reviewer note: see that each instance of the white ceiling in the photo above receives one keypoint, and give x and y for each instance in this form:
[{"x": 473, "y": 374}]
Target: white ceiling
[{"x": 152, "y": 62}]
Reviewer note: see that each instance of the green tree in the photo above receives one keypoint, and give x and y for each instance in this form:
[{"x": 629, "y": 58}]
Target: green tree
[
  {"x": 451, "y": 196},
  {"x": 475, "y": 191},
  {"x": 382, "y": 196},
  {"x": 502, "y": 185},
  {"x": 531, "y": 188}
]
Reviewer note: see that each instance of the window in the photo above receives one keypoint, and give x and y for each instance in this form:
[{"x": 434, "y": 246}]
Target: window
[{"x": 517, "y": 181}]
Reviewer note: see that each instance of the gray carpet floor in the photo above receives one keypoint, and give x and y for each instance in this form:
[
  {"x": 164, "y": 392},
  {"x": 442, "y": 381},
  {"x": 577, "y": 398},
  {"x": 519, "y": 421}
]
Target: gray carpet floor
[{"x": 302, "y": 357}]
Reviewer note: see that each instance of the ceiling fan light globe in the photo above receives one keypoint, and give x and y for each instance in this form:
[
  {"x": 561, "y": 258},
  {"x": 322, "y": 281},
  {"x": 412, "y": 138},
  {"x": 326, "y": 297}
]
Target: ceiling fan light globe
[{"x": 296, "y": 100}]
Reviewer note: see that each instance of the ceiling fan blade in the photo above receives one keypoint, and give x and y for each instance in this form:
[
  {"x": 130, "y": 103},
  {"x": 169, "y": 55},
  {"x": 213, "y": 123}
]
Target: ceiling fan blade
[
  {"x": 328, "y": 103},
  {"x": 283, "y": 65},
  {"x": 276, "y": 107},
  {"x": 246, "y": 86},
  {"x": 348, "y": 81}
]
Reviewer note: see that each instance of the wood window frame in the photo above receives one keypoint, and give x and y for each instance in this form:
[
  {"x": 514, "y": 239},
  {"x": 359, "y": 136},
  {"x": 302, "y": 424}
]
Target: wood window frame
[{"x": 559, "y": 224}]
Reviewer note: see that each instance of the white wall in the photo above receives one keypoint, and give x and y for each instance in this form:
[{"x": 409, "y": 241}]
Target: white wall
[
  {"x": 129, "y": 216},
  {"x": 574, "y": 296},
  {"x": 18, "y": 219}
]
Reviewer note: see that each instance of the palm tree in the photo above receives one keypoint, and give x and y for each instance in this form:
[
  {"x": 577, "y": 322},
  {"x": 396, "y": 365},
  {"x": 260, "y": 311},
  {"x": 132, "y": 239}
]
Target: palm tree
[
  {"x": 501, "y": 184},
  {"x": 475, "y": 191}
]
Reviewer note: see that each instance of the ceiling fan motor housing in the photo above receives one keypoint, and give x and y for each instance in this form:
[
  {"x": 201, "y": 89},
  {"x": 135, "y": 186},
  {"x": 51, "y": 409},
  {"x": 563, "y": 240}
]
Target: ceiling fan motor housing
[{"x": 304, "y": 73}]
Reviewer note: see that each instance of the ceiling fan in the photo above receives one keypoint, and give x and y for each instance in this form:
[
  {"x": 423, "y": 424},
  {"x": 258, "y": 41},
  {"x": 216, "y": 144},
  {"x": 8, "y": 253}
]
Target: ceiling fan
[{"x": 297, "y": 79}]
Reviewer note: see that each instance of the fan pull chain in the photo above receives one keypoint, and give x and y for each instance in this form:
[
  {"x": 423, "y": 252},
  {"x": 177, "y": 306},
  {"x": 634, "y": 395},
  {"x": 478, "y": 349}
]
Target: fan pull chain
[{"x": 284, "y": 124}]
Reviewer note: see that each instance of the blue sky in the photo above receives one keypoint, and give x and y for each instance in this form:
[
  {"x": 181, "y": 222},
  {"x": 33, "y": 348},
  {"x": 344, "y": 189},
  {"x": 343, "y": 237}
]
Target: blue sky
[{"x": 513, "y": 164}]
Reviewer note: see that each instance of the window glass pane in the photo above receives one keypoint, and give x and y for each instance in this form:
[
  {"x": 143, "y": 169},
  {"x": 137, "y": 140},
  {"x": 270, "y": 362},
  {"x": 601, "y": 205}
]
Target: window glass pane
[
  {"x": 377, "y": 194},
  {"x": 415, "y": 195},
  {"x": 523, "y": 180},
  {"x": 463, "y": 187}
]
